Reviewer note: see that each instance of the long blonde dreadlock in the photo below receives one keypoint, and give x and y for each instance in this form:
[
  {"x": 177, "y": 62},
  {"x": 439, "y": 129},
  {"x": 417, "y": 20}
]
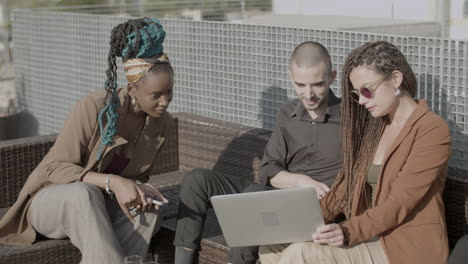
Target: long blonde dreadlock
[{"x": 360, "y": 131}]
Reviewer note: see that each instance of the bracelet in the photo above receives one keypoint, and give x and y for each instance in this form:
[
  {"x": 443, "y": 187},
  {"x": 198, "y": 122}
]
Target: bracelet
[{"x": 107, "y": 186}]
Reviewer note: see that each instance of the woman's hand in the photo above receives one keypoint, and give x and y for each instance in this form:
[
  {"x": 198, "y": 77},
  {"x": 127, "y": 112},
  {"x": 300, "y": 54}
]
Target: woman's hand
[
  {"x": 150, "y": 193},
  {"x": 128, "y": 194},
  {"x": 331, "y": 235}
]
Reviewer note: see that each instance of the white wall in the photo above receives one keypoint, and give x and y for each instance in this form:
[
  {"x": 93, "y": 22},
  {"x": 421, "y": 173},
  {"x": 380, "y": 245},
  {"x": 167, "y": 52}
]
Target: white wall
[
  {"x": 398, "y": 9},
  {"x": 459, "y": 30},
  {"x": 456, "y": 9},
  {"x": 458, "y": 23}
]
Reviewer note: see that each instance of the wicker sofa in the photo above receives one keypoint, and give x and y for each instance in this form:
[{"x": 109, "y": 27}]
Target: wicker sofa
[{"x": 197, "y": 142}]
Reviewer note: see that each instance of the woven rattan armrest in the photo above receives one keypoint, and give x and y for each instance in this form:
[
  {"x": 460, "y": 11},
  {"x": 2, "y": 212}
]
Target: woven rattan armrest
[
  {"x": 18, "y": 158},
  {"x": 456, "y": 204}
]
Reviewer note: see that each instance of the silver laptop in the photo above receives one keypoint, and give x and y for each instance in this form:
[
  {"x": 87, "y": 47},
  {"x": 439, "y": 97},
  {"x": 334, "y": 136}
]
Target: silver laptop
[{"x": 268, "y": 217}]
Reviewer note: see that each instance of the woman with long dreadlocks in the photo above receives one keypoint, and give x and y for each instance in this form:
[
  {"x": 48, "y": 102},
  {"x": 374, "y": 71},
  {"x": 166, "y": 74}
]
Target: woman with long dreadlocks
[
  {"x": 395, "y": 159},
  {"x": 91, "y": 187}
]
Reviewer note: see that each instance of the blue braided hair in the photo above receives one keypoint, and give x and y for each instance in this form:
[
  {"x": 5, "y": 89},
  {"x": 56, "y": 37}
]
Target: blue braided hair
[{"x": 136, "y": 38}]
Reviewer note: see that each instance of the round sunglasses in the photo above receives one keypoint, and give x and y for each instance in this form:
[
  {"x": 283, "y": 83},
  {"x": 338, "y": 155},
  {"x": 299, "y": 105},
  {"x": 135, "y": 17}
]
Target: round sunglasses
[{"x": 367, "y": 92}]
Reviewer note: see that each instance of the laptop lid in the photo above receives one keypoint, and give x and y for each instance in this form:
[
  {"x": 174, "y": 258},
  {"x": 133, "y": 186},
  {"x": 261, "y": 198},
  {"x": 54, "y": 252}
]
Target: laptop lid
[{"x": 268, "y": 217}]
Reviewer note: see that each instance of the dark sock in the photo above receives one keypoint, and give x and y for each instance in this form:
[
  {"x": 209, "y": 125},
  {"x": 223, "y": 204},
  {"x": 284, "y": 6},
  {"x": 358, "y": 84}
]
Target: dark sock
[{"x": 183, "y": 256}]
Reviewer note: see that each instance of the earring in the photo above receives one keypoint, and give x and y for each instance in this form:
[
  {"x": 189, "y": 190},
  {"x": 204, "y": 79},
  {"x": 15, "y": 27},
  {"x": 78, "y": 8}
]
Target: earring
[
  {"x": 133, "y": 100},
  {"x": 397, "y": 92}
]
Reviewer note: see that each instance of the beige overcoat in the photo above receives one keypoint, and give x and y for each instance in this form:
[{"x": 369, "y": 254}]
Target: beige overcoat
[{"x": 74, "y": 154}]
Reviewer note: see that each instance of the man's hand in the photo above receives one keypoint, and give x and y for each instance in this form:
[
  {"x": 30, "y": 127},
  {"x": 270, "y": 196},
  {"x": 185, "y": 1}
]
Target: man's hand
[
  {"x": 286, "y": 179},
  {"x": 320, "y": 188}
]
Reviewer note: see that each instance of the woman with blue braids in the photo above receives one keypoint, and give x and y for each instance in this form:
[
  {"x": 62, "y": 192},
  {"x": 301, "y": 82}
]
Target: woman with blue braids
[{"x": 91, "y": 186}]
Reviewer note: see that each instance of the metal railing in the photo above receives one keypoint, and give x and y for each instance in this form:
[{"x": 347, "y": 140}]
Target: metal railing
[{"x": 228, "y": 71}]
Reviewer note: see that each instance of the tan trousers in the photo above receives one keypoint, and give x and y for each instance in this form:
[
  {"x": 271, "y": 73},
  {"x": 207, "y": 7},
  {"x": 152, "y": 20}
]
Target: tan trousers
[
  {"x": 93, "y": 221},
  {"x": 370, "y": 252}
]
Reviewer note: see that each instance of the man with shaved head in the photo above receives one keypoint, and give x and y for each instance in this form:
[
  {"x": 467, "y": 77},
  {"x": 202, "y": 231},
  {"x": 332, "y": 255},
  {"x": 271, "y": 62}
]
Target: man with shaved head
[
  {"x": 305, "y": 147},
  {"x": 304, "y": 150},
  {"x": 311, "y": 62}
]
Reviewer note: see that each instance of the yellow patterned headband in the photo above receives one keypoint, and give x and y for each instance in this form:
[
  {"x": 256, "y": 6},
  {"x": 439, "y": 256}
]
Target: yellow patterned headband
[{"x": 137, "y": 68}]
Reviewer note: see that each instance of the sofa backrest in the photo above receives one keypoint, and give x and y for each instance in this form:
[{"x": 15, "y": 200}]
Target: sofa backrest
[{"x": 221, "y": 146}]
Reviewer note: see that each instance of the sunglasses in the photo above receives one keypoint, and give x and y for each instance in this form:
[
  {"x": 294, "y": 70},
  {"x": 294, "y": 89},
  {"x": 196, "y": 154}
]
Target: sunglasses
[{"x": 367, "y": 92}]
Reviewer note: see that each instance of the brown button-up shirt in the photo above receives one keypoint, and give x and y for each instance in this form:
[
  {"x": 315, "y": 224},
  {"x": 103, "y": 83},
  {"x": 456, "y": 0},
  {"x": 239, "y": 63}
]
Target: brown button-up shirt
[{"x": 300, "y": 144}]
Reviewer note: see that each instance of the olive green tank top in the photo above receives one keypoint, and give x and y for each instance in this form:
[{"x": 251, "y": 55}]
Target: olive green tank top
[{"x": 372, "y": 176}]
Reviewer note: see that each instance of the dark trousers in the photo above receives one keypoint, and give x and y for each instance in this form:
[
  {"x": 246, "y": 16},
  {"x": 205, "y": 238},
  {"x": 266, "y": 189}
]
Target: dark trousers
[
  {"x": 196, "y": 189},
  {"x": 460, "y": 252}
]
